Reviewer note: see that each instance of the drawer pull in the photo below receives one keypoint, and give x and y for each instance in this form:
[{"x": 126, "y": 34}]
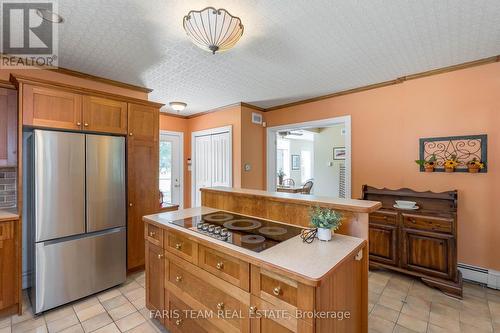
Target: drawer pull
[
  {"x": 161, "y": 256},
  {"x": 253, "y": 310},
  {"x": 277, "y": 291},
  {"x": 86, "y": 124},
  {"x": 220, "y": 306},
  {"x": 152, "y": 234},
  {"x": 178, "y": 322},
  {"x": 220, "y": 265},
  {"x": 78, "y": 124},
  {"x": 413, "y": 221},
  {"x": 178, "y": 278},
  {"x": 178, "y": 246}
]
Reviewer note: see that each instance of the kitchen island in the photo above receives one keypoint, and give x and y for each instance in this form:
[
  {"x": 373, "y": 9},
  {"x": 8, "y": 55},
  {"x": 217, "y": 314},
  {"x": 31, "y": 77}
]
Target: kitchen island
[{"x": 198, "y": 283}]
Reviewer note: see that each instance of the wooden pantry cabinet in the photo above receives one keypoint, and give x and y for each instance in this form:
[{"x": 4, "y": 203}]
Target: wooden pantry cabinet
[
  {"x": 142, "y": 176},
  {"x": 421, "y": 242}
]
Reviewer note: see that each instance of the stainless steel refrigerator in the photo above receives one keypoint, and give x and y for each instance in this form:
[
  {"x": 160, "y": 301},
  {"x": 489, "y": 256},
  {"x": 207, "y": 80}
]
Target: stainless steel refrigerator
[{"x": 77, "y": 218}]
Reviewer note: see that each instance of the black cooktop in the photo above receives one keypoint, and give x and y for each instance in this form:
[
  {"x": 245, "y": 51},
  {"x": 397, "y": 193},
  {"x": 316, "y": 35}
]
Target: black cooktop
[{"x": 247, "y": 232}]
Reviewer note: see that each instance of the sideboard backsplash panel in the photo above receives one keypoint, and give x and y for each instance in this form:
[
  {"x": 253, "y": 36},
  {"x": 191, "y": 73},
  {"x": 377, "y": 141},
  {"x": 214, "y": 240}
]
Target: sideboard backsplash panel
[{"x": 8, "y": 194}]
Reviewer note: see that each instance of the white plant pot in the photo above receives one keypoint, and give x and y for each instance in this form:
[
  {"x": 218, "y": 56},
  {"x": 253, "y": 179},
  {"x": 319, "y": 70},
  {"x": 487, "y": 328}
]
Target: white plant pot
[{"x": 324, "y": 234}]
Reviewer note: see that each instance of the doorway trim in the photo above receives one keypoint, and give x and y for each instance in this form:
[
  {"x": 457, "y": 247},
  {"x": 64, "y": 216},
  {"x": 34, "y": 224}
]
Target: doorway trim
[
  {"x": 210, "y": 131},
  {"x": 271, "y": 148},
  {"x": 180, "y": 135}
]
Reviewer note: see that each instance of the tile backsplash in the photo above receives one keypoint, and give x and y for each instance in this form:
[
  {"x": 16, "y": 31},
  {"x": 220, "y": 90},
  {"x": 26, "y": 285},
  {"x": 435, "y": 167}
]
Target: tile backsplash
[{"x": 8, "y": 197}]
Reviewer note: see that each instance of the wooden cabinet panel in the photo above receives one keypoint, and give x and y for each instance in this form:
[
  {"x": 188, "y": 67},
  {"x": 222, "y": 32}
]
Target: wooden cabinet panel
[
  {"x": 181, "y": 247},
  {"x": 262, "y": 320},
  {"x": 383, "y": 217},
  {"x": 184, "y": 319},
  {"x": 153, "y": 234},
  {"x": 8, "y": 127},
  {"x": 142, "y": 182},
  {"x": 143, "y": 122},
  {"x": 9, "y": 288},
  {"x": 429, "y": 253},
  {"x": 46, "y": 107},
  {"x": 226, "y": 267},
  {"x": 104, "y": 115},
  {"x": 155, "y": 277},
  {"x": 383, "y": 243}
]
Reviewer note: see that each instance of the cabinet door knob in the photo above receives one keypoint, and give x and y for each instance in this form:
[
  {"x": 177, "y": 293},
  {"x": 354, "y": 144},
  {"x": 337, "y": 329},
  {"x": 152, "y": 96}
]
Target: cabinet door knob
[
  {"x": 220, "y": 265},
  {"x": 86, "y": 124},
  {"x": 253, "y": 309},
  {"x": 178, "y": 278},
  {"x": 152, "y": 234},
  {"x": 178, "y": 322},
  {"x": 277, "y": 291},
  {"x": 178, "y": 246},
  {"x": 220, "y": 306},
  {"x": 130, "y": 134},
  {"x": 78, "y": 124},
  {"x": 161, "y": 256},
  {"x": 130, "y": 204}
]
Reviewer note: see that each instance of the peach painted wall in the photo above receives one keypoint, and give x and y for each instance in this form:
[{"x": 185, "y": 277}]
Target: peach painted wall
[
  {"x": 227, "y": 116},
  {"x": 72, "y": 80},
  {"x": 252, "y": 141},
  {"x": 386, "y": 125}
]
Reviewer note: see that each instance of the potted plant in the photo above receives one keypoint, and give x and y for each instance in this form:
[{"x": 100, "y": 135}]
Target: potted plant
[
  {"x": 326, "y": 221},
  {"x": 428, "y": 164},
  {"x": 450, "y": 164},
  {"x": 281, "y": 175},
  {"x": 475, "y": 165}
]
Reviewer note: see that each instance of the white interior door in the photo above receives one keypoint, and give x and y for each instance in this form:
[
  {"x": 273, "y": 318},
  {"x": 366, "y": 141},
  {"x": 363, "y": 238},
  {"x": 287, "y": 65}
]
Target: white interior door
[
  {"x": 212, "y": 161},
  {"x": 221, "y": 162},
  {"x": 203, "y": 165},
  {"x": 171, "y": 173}
]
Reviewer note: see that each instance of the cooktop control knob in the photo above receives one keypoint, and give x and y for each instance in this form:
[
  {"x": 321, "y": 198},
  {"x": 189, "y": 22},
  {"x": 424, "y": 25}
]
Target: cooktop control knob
[
  {"x": 199, "y": 226},
  {"x": 205, "y": 226},
  {"x": 211, "y": 228},
  {"x": 217, "y": 230},
  {"x": 223, "y": 232}
]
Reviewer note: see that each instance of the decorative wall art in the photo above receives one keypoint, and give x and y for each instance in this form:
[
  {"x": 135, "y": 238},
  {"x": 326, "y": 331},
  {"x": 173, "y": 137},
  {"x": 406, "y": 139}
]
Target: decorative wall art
[
  {"x": 339, "y": 153},
  {"x": 463, "y": 149},
  {"x": 295, "y": 162}
]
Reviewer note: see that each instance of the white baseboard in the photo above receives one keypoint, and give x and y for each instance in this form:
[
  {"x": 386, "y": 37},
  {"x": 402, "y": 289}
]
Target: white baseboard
[{"x": 485, "y": 276}]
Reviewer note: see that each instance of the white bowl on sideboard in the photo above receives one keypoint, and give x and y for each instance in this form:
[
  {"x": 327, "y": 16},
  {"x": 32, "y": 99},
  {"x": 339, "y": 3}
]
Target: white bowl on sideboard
[{"x": 405, "y": 204}]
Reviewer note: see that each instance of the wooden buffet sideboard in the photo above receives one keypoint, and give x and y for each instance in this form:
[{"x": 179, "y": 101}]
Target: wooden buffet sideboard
[{"x": 421, "y": 242}]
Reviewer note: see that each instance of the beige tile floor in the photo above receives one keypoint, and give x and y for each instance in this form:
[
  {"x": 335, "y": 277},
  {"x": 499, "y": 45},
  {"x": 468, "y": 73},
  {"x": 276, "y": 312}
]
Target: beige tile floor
[{"x": 397, "y": 303}]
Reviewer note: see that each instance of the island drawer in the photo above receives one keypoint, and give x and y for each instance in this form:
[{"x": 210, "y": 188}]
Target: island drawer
[
  {"x": 153, "y": 234},
  {"x": 182, "y": 318},
  {"x": 383, "y": 217},
  {"x": 181, "y": 246},
  {"x": 428, "y": 223},
  {"x": 203, "y": 291},
  {"x": 228, "y": 268}
]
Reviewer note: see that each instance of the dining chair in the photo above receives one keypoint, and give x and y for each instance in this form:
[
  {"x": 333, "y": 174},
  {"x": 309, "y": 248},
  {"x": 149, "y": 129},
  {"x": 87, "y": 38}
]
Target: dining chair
[{"x": 306, "y": 188}]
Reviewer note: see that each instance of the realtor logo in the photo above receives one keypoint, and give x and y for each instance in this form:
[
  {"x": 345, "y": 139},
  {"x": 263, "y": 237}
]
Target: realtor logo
[{"x": 28, "y": 40}]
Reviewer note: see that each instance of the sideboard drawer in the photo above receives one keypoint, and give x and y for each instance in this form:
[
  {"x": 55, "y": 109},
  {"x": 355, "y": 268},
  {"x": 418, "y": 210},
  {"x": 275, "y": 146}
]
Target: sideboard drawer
[
  {"x": 383, "y": 217},
  {"x": 181, "y": 246},
  {"x": 233, "y": 270},
  {"x": 428, "y": 223}
]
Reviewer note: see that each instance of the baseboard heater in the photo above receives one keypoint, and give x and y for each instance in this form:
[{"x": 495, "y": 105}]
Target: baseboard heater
[{"x": 489, "y": 278}]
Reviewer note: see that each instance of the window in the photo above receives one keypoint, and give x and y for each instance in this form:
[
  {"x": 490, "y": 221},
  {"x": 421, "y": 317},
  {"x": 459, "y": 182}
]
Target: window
[
  {"x": 305, "y": 166},
  {"x": 166, "y": 170}
]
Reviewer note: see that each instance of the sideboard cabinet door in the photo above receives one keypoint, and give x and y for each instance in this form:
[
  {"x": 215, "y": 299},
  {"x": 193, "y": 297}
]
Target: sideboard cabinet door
[
  {"x": 428, "y": 253},
  {"x": 383, "y": 243}
]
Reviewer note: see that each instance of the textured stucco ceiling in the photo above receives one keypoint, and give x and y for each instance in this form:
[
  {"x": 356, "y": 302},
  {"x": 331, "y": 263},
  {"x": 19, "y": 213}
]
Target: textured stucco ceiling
[{"x": 291, "y": 49}]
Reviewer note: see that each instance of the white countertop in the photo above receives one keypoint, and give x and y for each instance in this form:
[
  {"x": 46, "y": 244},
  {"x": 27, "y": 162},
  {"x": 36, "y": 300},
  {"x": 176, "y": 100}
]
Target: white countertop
[{"x": 310, "y": 261}]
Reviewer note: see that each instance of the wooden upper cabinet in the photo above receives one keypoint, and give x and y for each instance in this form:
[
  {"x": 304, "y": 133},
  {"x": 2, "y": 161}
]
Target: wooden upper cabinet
[
  {"x": 104, "y": 115},
  {"x": 54, "y": 108},
  {"x": 143, "y": 122},
  {"x": 8, "y": 127}
]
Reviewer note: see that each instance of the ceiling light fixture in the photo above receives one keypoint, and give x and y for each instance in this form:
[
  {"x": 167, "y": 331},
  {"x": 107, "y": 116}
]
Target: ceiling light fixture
[
  {"x": 213, "y": 30},
  {"x": 50, "y": 16},
  {"x": 178, "y": 106}
]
